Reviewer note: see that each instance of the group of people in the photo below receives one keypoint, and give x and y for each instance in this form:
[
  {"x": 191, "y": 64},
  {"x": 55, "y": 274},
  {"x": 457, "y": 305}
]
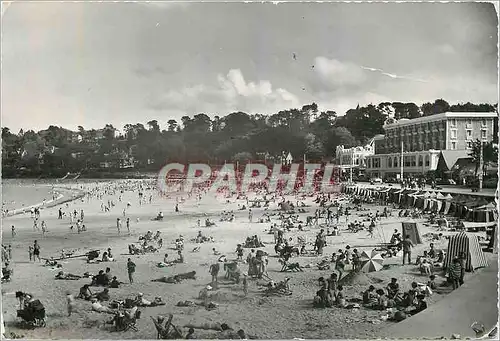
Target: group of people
[{"x": 412, "y": 301}]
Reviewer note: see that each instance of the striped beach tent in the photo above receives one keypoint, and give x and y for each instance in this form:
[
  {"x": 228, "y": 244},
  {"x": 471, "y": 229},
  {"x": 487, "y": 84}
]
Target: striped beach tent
[{"x": 469, "y": 244}]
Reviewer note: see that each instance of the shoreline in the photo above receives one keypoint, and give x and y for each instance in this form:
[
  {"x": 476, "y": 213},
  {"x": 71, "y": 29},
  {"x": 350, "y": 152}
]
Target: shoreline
[{"x": 61, "y": 199}]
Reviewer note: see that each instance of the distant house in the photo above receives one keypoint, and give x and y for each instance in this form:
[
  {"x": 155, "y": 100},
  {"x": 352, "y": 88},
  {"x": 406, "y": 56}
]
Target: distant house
[
  {"x": 286, "y": 159},
  {"x": 105, "y": 164}
]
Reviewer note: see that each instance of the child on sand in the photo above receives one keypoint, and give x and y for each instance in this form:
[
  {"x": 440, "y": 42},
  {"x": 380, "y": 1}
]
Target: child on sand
[
  {"x": 70, "y": 300},
  {"x": 239, "y": 252},
  {"x": 30, "y": 251}
]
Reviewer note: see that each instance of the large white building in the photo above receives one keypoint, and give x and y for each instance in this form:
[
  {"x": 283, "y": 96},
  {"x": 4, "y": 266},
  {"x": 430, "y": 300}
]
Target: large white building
[
  {"x": 354, "y": 157},
  {"x": 424, "y": 139}
]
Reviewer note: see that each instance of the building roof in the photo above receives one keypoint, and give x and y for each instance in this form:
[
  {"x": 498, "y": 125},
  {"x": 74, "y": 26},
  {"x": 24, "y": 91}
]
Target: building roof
[
  {"x": 448, "y": 158},
  {"x": 439, "y": 117}
]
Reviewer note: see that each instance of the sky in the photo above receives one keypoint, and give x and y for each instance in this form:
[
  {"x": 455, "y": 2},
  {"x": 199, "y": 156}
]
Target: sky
[{"x": 89, "y": 64}]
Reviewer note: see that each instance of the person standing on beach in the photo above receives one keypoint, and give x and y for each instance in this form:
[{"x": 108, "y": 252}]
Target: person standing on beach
[
  {"x": 214, "y": 271},
  {"x": 13, "y": 231},
  {"x": 118, "y": 224},
  {"x": 36, "y": 251},
  {"x": 30, "y": 252},
  {"x": 82, "y": 215},
  {"x": 130, "y": 270},
  {"x": 60, "y": 216},
  {"x": 407, "y": 245},
  {"x": 44, "y": 227},
  {"x": 128, "y": 225}
]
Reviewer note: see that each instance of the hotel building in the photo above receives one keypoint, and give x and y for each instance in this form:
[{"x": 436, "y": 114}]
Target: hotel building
[{"x": 422, "y": 140}]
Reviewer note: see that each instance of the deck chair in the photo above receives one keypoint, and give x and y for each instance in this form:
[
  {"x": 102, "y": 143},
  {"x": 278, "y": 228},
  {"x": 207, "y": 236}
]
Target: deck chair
[{"x": 291, "y": 267}]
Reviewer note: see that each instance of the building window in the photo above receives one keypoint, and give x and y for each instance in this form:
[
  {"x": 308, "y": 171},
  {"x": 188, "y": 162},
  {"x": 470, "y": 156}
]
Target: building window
[
  {"x": 369, "y": 163},
  {"x": 395, "y": 161},
  {"x": 453, "y": 122},
  {"x": 453, "y": 134},
  {"x": 483, "y": 134},
  {"x": 469, "y": 144},
  {"x": 468, "y": 133},
  {"x": 427, "y": 163},
  {"x": 420, "y": 161},
  {"x": 413, "y": 161},
  {"x": 483, "y": 122},
  {"x": 407, "y": 161},
  {"x": 389, "y": 162},
  {"x": 468, "y": 122},
  {"x": 453, "y": 145}
]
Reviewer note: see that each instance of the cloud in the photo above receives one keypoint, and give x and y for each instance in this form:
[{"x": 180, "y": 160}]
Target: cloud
[
  {"x": 333, "y": 74},
  {"x": 230, "y": 93}
]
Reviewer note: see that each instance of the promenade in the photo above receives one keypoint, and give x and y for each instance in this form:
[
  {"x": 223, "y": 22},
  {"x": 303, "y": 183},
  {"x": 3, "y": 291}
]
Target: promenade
[{"x": 485, "y": 192}]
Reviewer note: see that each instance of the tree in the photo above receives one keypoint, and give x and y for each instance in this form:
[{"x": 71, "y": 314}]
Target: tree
[
  {"x": 490, "y": 154},
  {"x": 201, "y": 123},
  {"x": 153, "y": 126},
  {"x": 314, "y": 147},
  {"x": 172, "y": 125},
  {"x": 216, "y": 124},
  {"x": 243, "y": 157},
  {"x": 339, "y": 136},
  {"x": 186, "y": 120}
]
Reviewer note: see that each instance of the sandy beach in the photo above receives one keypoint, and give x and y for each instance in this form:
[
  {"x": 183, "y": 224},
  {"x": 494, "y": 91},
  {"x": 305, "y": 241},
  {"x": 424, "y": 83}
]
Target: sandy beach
[{"x": 264, "y": 317}]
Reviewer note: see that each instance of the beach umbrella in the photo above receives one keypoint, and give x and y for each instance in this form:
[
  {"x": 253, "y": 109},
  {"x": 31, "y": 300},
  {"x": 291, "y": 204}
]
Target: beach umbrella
[{"x": 371, "y": 261}]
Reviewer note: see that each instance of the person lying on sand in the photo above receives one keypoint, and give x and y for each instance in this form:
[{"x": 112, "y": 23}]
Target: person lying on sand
[
  {"x": 67, "y": 276},
  {"x": 98, "y": 307},
  {"x": 51, "y": 262},
  {"x": 176, "y": 278},
  {"x": 140, "y": 301},
  {"x": 216, "y": 253}
]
